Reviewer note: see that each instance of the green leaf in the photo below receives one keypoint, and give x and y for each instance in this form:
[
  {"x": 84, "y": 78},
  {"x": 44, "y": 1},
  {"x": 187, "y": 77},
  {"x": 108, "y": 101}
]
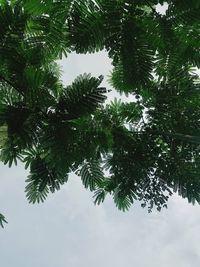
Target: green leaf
[
  {"x": 2, "y": 220},
  {"x": 91, "y": 174},
  {"x": 83, "y": 97}
]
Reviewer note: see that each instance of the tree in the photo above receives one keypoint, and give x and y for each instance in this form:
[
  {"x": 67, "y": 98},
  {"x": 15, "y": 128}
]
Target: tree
[{"x": 150, "y": 146}]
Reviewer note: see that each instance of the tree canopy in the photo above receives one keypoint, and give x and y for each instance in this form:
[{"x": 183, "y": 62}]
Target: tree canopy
[{"x": 149, "y": 147}]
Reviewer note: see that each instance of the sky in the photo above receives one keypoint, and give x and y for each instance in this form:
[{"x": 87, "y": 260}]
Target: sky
[{"x": 69, "y": 230}]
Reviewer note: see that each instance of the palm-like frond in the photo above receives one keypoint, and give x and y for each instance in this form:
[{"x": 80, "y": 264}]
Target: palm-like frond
[
  {"x": 186, "y": 13},
  {"x": 43, "y": 179},
  {"x": 47, "y": 28},
  {"x": 99, "y": 196},
  {"x": 83, "y": 97},
  {"x": 180, "y": 171},
  {"x": 188, "y": 187},
  {"x": 2, "y": 220},
  {"x": 40, "y": 86},
  {"x": 91, "y": 174},
  {"x": 86, "y": 29},
  {"x": 135, "y": 63},
  {"x": 123, "y": 201},
  {"x": 50, "y": 34}
]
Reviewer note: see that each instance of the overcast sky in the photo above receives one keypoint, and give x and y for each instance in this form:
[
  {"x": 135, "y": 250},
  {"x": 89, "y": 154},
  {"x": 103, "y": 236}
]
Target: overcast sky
[{"x": 68, "y": 230}]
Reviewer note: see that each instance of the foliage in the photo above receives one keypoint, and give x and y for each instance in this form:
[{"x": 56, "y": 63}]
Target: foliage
[
  {"x": 2, "y": 220},
  {"x": 149, "y": 147}
]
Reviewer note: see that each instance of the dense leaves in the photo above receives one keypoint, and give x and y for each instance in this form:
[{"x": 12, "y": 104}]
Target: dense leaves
[{"x": 149, "y": 147}]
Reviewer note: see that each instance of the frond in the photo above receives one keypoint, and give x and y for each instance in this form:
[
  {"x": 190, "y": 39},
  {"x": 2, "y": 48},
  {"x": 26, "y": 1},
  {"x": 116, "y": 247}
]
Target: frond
[
  {"x": 122, "y": 113},
  {"x": 185, "y": 172},
  {"x": 91, "y": 174},
  {"x": 123, "y": 201},
  {"x": 95, "y": 132},
  {"x": 86, "y": 29},
  {"x": 60, "y": 144},
  {"x": 99, "y": 196},
  {"x": 37, "y": 7},
  {"x": 10, "y": 152},
  {"x": 13, "y": 22},
  {"x": 50, "y": 34},
  {"x": 41, "y": 86},
  {"x": 133, "y": 59},
  {"x": 43, "y": 179},
  {"x": 83, "y": 97},
  {"x": 185, "y": 15},
  {"x": 8, "y": 95},
  {"x": 2, "y": 220}
]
